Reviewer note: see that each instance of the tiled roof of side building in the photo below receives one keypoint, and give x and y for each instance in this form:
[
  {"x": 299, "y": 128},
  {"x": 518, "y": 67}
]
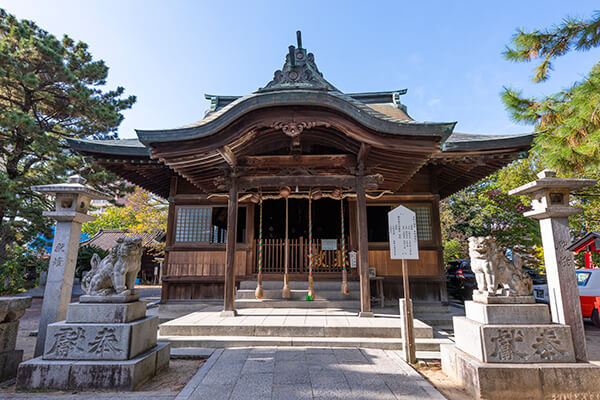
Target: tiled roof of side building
[
  {"x": 474, "y": 142},
  {"x": 121, "y": 147},
  {"x": 105, "y": 238}
]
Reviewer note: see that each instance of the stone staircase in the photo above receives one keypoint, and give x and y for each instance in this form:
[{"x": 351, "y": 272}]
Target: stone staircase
[
  {"x": 435, "y": 314},
  {"x": 330, "y": 320}
]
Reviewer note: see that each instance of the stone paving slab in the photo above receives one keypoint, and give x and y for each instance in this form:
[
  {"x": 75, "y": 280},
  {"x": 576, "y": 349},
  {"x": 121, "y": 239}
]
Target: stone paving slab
[{"x": 274, "y": 373}]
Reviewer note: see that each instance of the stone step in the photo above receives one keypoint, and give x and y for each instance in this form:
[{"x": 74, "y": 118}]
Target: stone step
[
  {"x": 287, "y": 330},
  {"x": 429, "y": 346},
  {"x": 299, "y": 303},
  {"x": 299, "y": 294},
  {"x": 424, "y": 307},
  {"x": 435, "y": 319},
  {"x": 301, "y": 285}
]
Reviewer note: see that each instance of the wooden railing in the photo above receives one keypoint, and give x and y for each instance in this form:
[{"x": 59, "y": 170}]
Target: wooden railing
[{"x": 274, "y": 257}]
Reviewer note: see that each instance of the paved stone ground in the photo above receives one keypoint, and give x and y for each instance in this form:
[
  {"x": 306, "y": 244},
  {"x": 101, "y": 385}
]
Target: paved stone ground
[{"x": 307, "y": 373}]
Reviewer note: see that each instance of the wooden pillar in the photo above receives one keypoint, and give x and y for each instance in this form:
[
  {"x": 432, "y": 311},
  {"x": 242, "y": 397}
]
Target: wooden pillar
[
  {"x": 232, "y": 209},
  {"x": 408, "y": 334},
  {"x": 170, "y": 238},
  {"x": 437, "y": 237},
  {"x": 363, "y": 249}
]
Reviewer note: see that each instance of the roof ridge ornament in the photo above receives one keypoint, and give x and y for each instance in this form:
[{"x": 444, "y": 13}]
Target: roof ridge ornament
[{"x": 298, "y": 72}]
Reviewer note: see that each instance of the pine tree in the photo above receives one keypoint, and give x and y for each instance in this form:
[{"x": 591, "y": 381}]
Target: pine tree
[
  {"x": 567, "y": 123},
  {"x": 50, "y": 90}
]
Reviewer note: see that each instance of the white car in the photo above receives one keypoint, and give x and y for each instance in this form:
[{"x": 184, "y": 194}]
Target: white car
[{"x": 588, "y": 282}]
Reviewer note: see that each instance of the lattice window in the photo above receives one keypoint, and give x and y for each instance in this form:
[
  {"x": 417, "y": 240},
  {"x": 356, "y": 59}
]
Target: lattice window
[
  {"x": 423, "y": 214},
  {"x": 193, "y": 224}
]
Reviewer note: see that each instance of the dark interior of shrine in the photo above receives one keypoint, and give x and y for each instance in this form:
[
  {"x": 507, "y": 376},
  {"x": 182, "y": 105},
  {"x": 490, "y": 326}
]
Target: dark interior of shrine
[{"x": 325, "y": 218}]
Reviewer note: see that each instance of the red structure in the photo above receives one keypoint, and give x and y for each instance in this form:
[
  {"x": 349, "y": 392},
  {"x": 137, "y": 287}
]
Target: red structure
[{"x": 588, "y": 243}]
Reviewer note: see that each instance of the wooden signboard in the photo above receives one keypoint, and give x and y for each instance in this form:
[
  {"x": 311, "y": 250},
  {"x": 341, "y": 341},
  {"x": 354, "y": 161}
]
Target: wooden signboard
[
  {"x": 328, "y": 244},
  {"x": 404, "y": 245}
]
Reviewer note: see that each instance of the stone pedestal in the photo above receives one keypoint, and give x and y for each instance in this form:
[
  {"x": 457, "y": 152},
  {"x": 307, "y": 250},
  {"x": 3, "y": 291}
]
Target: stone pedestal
[
  {"x": 11, "y": 309},
  {"x": 106, "y": 345},
  {"x": 506, "y": 350}
]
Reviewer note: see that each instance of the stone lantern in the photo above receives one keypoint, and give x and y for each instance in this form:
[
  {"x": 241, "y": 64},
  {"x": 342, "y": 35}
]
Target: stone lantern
[
  {"x": 72, "y": 200},
  {"x": 550, "y": 205}
]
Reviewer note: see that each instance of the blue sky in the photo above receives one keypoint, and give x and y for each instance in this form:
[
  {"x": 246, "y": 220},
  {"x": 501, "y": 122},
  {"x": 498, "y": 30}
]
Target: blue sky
[{"x": 448, "y": 54}]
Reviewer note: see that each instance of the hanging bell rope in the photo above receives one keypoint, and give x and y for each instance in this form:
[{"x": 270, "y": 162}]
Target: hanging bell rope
[
  {"x": 311, "y": 293},
  {"x": 343, "y": 255},
  {"x": 259, "y": 293}
]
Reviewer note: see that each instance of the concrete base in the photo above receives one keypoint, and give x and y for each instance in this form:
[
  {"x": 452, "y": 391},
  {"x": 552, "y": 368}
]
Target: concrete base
[
  {"x": 515, "y": 343},
  {"x": 230, "y": 313},
  {"x": 115, "y": 298},
  {"x": 77, "y": 341},
  {"x": 366, "y": 314},
  {"x": 487, "y": 299},
  {"x": 85, "y": 375},
  {"x": 493, "y": 381},
  {"x": 507, "y": 313},
  {"x": 9, "y": 363},
  {"x": 106, "y": 312},
  {"x": 8, "y": 335}
]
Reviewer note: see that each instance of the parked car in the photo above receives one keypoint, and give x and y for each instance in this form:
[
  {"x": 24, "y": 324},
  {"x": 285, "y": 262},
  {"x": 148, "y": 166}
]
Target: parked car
[
  {"x": 536, "y": 277},
  {"x": 460, "y": 280},
  {"x": 588, "y": 281}
]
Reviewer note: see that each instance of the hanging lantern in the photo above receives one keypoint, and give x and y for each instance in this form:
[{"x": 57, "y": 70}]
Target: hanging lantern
[{"x": 285, "y": 191}]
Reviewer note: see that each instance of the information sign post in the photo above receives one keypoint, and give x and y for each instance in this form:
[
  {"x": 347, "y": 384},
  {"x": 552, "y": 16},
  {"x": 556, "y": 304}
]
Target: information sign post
[{"x": 404, "y": 246}]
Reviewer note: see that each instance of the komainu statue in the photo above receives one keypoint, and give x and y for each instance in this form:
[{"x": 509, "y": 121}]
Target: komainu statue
[
  {"x": 115, "y": 273},
  {"x": 492, "y": 269}
]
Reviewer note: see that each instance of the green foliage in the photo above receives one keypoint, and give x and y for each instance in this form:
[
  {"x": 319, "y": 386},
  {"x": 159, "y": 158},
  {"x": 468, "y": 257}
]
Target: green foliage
[
  {"x": 85, "y": 256},
  {"x": 453, "y": 251},
  {"x": 485, "y": 209},
  {"x": 21, "y": 269},
  {"x": 580, "y": 259},
  {"x": 142, "y": 213},
  {"x": 150, "y": 212},
  {"x": 50, "y": 90},
  {"x": 112, "y": 218},
  {"x": 567, "y": 123}
]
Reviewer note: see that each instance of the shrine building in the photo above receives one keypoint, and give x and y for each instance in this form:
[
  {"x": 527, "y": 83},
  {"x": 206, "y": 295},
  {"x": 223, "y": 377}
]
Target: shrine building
[{"x": 300, "y": 159}]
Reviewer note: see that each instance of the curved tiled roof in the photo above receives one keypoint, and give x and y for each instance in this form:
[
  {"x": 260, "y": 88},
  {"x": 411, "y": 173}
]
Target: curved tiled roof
[{"x": 337, "y": 101}]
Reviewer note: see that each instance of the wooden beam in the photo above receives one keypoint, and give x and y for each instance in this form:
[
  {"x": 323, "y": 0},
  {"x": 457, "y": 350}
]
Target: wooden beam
[
  {"x": 232, "y": 211},
  {"x": 324, "y": 160},
  {"x": 228, "y": 155},
  {"x": 368, "y": 182},
  {"x": 363, "y": 249},
  {"x": 361, "y": 158}
]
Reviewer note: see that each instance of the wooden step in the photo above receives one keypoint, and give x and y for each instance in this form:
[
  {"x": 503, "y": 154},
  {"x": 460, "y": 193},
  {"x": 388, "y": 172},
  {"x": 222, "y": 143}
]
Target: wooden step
[
  {"x": 350, "y": 304},
  {"x": 299, "y": 294},
  {"x": 301, "y": 285}
]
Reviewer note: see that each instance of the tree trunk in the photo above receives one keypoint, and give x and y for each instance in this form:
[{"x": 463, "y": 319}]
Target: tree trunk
[{"x": 3, "y": 238}]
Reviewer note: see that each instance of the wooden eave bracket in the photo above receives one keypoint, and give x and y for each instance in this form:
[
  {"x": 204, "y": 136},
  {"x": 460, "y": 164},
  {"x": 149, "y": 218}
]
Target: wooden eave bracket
[{"x": 228, "y": 155}]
